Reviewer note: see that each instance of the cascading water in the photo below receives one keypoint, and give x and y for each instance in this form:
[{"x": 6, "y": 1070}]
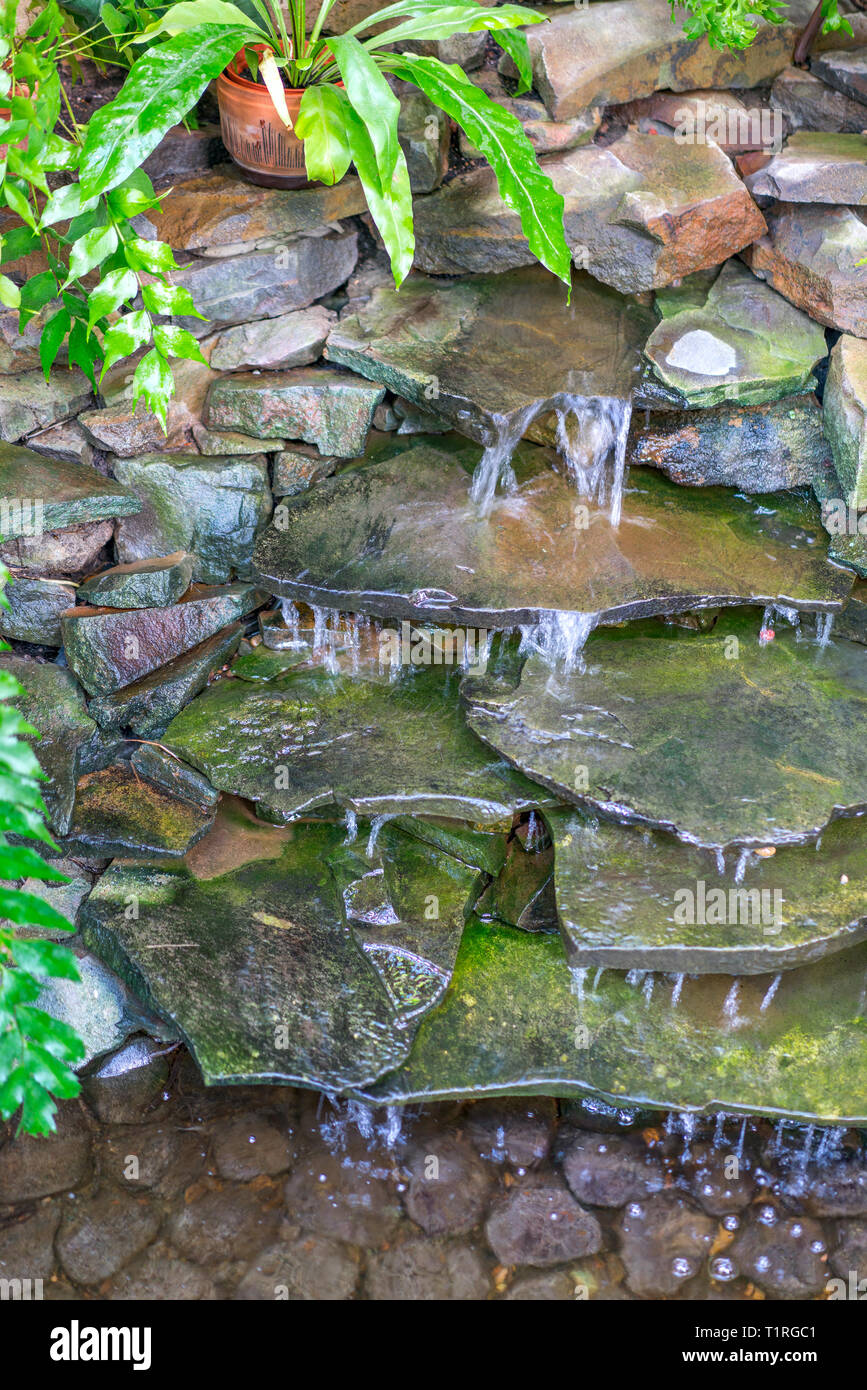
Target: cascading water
[
  {"x": 590, "y": 431},
  {"x": 558, "y": 638}
]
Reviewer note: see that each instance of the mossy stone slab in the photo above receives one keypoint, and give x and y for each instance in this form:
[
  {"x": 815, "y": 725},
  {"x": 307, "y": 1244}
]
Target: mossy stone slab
[
  {"x": 331, "y": 409},
  {"x": 154, "y": 583},
  {"x": 247, "y": 947},
  {"x": 481, "y": 849},
  {"x": 172, "y": 776},
  {"x": 118, "y": 813},
  {"x": 522, "y": 894},
  {"x": 517, "y": 1021},
  {"x": 365, "y": 743},
  {"x": 53, "y": 703},
  {"x": 400, "y": 538},
  {"x": 35, "y": 606},
  {"x": 638, "y": 899},
  {"x": 714, "y": 736},
  {"x": 55, "y": 492}
]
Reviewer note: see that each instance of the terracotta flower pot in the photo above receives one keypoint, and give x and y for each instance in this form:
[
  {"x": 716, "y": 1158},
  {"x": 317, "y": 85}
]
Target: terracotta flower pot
[{"x": 253, "y": 133}]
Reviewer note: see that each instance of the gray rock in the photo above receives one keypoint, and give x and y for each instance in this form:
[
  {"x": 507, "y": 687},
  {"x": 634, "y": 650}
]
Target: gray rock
[
  {"x": 851, "y": 1252},
  {"x": 845, "y": 70},
  {"x": 609, "y": 1170},
  {"x": 28, "y": 403},
  {"x": 711, "y": 1182},
  {"x": 27, "y": 1247},
  {"x": 422, "y": 1270},
  {"x": 39, "y": 494},
  {"x": 785, "y": 1258},
  {"x": 152, "y": 583},
  {"x": 816, "y": 167},
  {"x": 99, "y": 1007},
  {"x": 546, "y": 136},
  {"x": 226, "y": 1223},
  {"x": 127, "y": 1084},
  {"x": 541, "y": 1225},
  {"x": 331, "y": 409},
  {"x": 229, "y": 442},
  {"x": 154, "y": 1157},
  {"x": 73, "y": 551},
  {"x": 449, "y": 1187},
  {"x": 291, "y": 340},
  {"x": 307, "y": 1269},
  {"x": 808, "y": 103},
  {"x": 664, "y": 1243},
  {"x": 555, "y": 1287},
  {"x": 54, "y": 704},
  {"x": 424, "y": 133},
  {"x": 66, "y": 441},
  {"x": 100, "y": 1234},
  {"x": 811, "y": 255},
  {"x": 35, "y": 606},
  {"x": 36, "y": 1167},
  {"x": 297, "y": 469},
  {"x": 845, "y": 416},
  {"x": 118, "y": 814},
  {"x": 168, "y": 772},
  {"x": 517, "y": 1132},
  {"x": 349, "y": 1197},
  {"x": 160, "y": 1276},
  {"x": 249, "y": 1146}
]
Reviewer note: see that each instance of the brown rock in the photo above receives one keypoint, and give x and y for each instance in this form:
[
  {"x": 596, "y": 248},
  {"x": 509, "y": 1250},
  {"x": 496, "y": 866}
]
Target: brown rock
[{"x": 811, "y": 255}]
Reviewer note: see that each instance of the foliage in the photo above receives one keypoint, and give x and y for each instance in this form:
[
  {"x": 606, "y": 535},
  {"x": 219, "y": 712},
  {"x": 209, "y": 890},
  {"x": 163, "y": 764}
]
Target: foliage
[
  {"x": 37, "y": 1051},
  {"x": 734, "y": 23}
]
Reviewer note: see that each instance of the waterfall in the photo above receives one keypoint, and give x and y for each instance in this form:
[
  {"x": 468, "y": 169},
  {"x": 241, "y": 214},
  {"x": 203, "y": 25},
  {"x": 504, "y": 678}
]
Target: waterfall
[
  {"x": 772, "y": 989},
  {"x": 590, "y": 429},
  {"x": 558, "y": 638},
  {"x": 351, "y": 821}
]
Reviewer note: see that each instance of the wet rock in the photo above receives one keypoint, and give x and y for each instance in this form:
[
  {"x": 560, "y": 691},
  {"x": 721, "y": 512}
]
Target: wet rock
[
  {"x": 664, "y": 1244},
  {"x": 555, "y": 1287},
  {"x": 615, "y": 53},
  {"x": 622, "y": 204},
  {"x": 28, "y": 404},
  {"x": 229, "y": 442},
  {"x": 703, "y": 116},
  {"x": 381, "y": 748},
  {"x": 35, "y": 606},
  {"x": 249, "y": 1146},
  {"x": 98, "y": 1006},
  {"x": 171, "y": 775},
  {"x": 609, "y": 1171},
  {"x": 449, "y": 1188},
  {"x": 712, "y": 1182},
  {"x": 210, "y": 507},
  {"x": 66, "y": 441},
  {"x": 333, "y": 410},
  {"x": 54, "y": 704},
  {"x": 108, "y": 649},
  {"x": 546, "y": 136},
  {"x": 295, "y": 470},
  {"x": 480, "y": 849},
  {"x": 846, "y": 546},
  {"x": 307, "y": 1269},
  {"x": 39, "y": 494},
  {"x": 466, "y": 50},
  {"x": 754, "y": 448},
  {"x": 66, "y": 898},
  {"x": 118, "y": 814},
  {"x": 541, "y": 1225},
  {"x": 148, "y": 706},
  {"x": 162, "y": 1158},
  {"x": 267, "y": 284},
  {"x": 427, "y": 1270},
  {"x": 222, "y": 210},
  {"x": 183, "y": 152},
  {"x": 523, "y": 893},
  {"x": 127, "y": 1084},
  {"x": 775, "y": 793},
  {"x": 424, "y": 134},
  {"x": 845, "y": 416},
  {"x": 816, "y": 167},
  {"x": 224, "y": 1223},
  {"x": 810, "y": 255},
  {"x": 100, "y": 1234},
  {"x": 785, "y": 1258},
  {"x": 517, "y": 1132},
  {"x": 74, "y": 551},
  {"x": 291, "y": 340},
  {"x": 838, "y": 1189},
  {"x": 850, "y": 1254},
  {"x": 809, "y": 103},
  {"x": 746, "y": 344},
  {"x": 481, "y": 349},
  {"x": 247, "y": 946},
  {"x": 516, "y": 1019},
  {"x": 160, "y": 1276},
  {"x": 36, "y": 1167},
  {"x": 155, "y": 583},
  {"x": 350, "y": 1197},
  {"x": 846, "y": 71},
  {"x": 27, "y": 1247},
  {"x": 363, "y": 541},
  {"x": 756, "y": 912}
]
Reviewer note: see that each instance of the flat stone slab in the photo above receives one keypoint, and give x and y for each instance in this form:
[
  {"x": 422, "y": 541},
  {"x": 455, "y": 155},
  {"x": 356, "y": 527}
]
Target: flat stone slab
[
  {"x": 811, "y": 255},
  {"x": 713, "y": 736},
  {"x": 484, "y": 349},
  {"x": 100, "y": 1008},
  {"x": 259, "y": 945},
  {"x": 291, "y": 340},
  {"x": 845, "y": 416},
  {"x": 29, "y": 403},
  {"x": 333, "y": 410},
  {"x": 517, "y": 1021},
  {"x": 40, "y": 494},
  {"x": 844, "y": 69},
  {"x": 119, "y": 814},
  {"x": 35, "y": 606},
  {"x": 754, "y": 448},
  {"x": 809, "y": 103},
  {"x": 365, "y": 743},
  {"x": 640, "y": 900},
  {"x": 152, "y": 583},
  {"x": 746, "y": 344},
  {"x": 615, "y": 52},
  {"x": 108, "y": 648},
  {"x": 639, "y": 213},
  {"x": 400, "y": 538},
  {"x": 816, "y": 167}
]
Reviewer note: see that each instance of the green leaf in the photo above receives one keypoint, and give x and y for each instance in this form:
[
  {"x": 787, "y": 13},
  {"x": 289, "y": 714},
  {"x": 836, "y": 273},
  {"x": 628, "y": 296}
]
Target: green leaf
[
  {"x": 65, "y": 204},
  {"x": 320, "y": 124},
  {"x": 53, "y": 334},
  {"x": 113, "y": 290},
  {"x": 177, "y": 342},
  {"x": 91, "y": 250},
  {"x": 391, "y": 211},
  {"x": 152, "y": 256},
  {"x": 500, "y": 137},
  {"x": 447, "y": 20},
  {"x": 26, "y": 910},
  {"x": 160, "y": 89},
  {"x": 153, "y": 379},
  {"x": 170, "y": 299},
  {"x": 136, "y": 194},
  {"x": 10, "y": 294},
  {"x": 125, "y": 337},
  {"x": 371, "y": 97},
  {"x": 17, "y": 243},
  {"x": 515, "y": 44},
  {"x": 45, "y": 959},
  {"x": 59, "y": 154},
  {"x": 18, "y": 203},
  {"x": 83, "y": 351},
  {"x": 191, "y": 14},
  {"x": 36, "y": 293}
]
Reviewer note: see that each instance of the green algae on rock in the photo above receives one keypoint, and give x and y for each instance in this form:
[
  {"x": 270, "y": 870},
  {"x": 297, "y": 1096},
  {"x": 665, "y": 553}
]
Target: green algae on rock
[
  {"x": 845, "y": 415},
  {"x": 522, "y": 895},
  {"x": 715, "y": 736},
  {"x": 481, "y": 849},
  {"x": 333, "y": 410},
  {"x": 246, "y": 946},
  {"x": 173, "y": 776},
  {"x": 400, "y": 538},
  {"x": 516, "y": 1021},
  {"x": 110, "y": 648},
  {"x": 747, "y": 343},
  {"x": 154, "y": 583},
  {"x": 375, "y": 746},
  {"x": 147, "y": 706},
  {"x": 49, "y": 494},
  {"x": 637, "y": 899},
  {"x": 116, "y": 813}
]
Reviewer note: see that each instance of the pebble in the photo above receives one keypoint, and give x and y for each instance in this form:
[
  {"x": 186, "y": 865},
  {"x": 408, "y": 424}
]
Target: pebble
[{"x": 541, "y": 1225}]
